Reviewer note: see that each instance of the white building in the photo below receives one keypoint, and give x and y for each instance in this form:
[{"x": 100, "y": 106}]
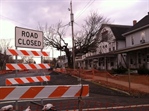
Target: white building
[
  {"x": 137, "y": 44},
  {"x": 111, "y": 39}
]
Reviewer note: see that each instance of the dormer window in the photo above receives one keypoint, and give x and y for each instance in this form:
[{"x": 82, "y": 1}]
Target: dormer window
[{"x": 104, "y": 35}]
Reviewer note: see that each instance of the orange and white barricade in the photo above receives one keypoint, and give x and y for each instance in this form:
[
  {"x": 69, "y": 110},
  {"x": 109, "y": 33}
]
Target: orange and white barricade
[
  {"x": 41, "y": 92},
  {"x": 26, "y": 53},
  {"x": 24, "y": 80},
  {"x": 26, "y": 66}
]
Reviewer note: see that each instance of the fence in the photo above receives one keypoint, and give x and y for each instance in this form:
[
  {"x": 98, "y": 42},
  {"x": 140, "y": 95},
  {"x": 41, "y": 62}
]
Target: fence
[
  {"x": 120, "y": 82},
  {"x": 85, "y": 105}
]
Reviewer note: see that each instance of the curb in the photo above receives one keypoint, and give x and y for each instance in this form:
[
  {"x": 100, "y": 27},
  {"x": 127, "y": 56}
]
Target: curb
[
  {"x": 115, "y": 89},
  {"x": 98, "y": 83}
]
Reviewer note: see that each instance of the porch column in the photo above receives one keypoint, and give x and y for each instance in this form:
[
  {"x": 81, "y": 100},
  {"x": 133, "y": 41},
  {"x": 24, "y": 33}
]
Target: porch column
[
  {"x": 105, "y": 63},
  {"x": 129, "y": 71}
]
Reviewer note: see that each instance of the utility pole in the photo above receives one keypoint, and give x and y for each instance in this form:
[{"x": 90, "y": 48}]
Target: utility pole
[{"x": 72, "y": 20}]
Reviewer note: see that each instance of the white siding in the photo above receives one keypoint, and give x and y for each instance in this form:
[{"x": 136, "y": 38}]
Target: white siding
[
  {"x": 103, "y": 47},
  {"x": 121, "y": 45},
  {"x": 137, "y": 36}
]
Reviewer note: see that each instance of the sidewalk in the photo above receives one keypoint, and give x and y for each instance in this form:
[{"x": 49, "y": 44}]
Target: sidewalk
[
  {"x": 115, "y": 83},
  {"x": 133, "y": 86}
]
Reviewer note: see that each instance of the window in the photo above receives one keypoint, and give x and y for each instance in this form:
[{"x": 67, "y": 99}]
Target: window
[
  {"x": 90, "y": 64},
  {"x": 99, "y": 63},
  {"x": 113, "y": 48},
  {"x": 147, "y": 58},
  {"x": 132, "y": 40},
  {"x": 131, "y": 61},
  {"x": 142, "y": 39},
  {"x": 144, "y": 59},
  {"x": 139, "y": 60},
  {"x": 112, "y": 63},
  {"x": 104, "y": 34}
]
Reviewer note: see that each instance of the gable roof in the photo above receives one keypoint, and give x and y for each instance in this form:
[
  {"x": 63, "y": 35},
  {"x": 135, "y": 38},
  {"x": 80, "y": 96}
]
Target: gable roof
[
  {"x": 143, "y": 23},
  {"x": 118, "y": 30}
]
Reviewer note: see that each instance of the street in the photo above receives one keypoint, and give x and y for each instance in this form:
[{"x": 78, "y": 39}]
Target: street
[{"x": 100, "y": 97}]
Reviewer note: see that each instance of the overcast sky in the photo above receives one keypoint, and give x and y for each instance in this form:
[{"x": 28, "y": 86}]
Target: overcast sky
[{"x": 30, "y": 13}]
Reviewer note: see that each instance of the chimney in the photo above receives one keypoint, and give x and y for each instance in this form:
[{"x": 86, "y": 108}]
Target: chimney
[{"x": 134, "y": 22}]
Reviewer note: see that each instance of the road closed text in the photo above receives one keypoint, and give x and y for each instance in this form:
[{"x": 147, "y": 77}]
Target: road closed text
[
  {"x": 29, "y": 38},
  {"x": 27, "y": 41}
]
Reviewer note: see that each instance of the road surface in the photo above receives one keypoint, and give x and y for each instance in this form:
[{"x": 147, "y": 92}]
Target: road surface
[{"x": 100, "y": 97}]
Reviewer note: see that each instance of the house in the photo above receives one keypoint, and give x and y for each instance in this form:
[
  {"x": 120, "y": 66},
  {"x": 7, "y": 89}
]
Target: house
[
  {"x": 137, "y": 44},
  {"x": 103, "y": 58},
  {"x": 62, "y": 61}
]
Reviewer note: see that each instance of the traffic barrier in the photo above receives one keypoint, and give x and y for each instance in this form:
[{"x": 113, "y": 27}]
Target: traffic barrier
[
  {"x": 26, "y": 66},
  {"x": 41, "y": 92},
  {"x": 24, "y": 80},
  {"x": 26, "y": 53}
]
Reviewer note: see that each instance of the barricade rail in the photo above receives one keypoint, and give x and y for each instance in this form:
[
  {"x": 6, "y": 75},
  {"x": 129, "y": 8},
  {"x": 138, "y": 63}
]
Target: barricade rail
[
  {"x": 24, "y": 80},
  {"x": 39, "y": 92}
]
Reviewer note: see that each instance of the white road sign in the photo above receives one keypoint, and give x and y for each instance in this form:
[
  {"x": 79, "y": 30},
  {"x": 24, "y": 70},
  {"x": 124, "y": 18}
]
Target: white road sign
[{"x": 28, "y": 38}]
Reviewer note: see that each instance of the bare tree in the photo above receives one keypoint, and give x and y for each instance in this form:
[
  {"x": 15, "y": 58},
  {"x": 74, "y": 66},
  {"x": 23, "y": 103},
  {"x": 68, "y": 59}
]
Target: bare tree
[
  {"x": 54, "y": 36},
  {"x": 4, "y": 45},
  {"x": 85, "y": 40}
]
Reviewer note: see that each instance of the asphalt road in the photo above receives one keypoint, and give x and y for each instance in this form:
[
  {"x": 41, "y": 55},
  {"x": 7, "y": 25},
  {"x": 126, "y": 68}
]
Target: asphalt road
[{"x": 100, "y": 97}]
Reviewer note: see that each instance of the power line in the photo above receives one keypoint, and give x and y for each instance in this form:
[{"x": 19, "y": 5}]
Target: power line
[
  {"x": 12, "y": 20},
  {"x": 78, "y": 24},
  {"x": 85, "y": 9},
  {"x": 68, "y": 24},
  {"x": 65, "y": 25}
]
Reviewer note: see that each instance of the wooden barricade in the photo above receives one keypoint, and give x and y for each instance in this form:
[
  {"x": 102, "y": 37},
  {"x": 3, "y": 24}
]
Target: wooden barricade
[
  {"x": 42, "y": 92},
  {"x": 36, "y": 92},
  {"x": 24, "y": 80}
]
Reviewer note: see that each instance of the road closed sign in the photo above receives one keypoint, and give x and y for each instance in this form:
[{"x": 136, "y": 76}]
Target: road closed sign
[{"x": 28, "y": 38}]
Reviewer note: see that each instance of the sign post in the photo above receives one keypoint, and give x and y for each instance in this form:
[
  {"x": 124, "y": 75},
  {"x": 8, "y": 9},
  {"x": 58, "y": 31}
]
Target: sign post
[{"x": 28, "y": 38}]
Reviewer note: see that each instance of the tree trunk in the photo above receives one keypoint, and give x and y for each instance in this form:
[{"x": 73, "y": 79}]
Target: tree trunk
[{"x": 69, "y": 58}]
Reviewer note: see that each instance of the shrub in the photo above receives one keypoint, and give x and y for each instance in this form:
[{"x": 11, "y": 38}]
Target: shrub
[
  {"x": 119, "y": 70},
  {"x": 143, "y": 70}
]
